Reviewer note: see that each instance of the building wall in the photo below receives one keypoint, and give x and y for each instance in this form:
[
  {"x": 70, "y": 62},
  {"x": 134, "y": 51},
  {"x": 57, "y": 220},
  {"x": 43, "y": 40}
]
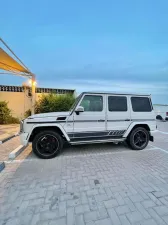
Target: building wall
[
  {"x": 17, "y": 102},
  {"x": 19, "y": 98}
]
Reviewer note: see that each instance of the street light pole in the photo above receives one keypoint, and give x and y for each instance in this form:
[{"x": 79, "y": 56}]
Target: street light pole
[{"x": 33, "y": 94}]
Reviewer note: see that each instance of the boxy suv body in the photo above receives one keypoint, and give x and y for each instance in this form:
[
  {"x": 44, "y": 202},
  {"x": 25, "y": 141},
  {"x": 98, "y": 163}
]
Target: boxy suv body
[{"x": 94, "y": 118}]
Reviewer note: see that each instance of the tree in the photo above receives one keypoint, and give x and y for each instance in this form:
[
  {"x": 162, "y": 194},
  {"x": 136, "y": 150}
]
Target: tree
[
  {"x": 5, "y": 114},
  {"x": 54, "y": 103}
]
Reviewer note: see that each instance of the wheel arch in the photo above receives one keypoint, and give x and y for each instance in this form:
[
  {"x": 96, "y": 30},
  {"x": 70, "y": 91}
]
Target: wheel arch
[
  {"x": 57, "y": 128},
  {"x": 134, "y": 126}
]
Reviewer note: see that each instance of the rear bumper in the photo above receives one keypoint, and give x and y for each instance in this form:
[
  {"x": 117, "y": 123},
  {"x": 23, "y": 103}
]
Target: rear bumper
[
  {"x": 151, "y": 138},
  {"x": 152, "y": 135},
  {"x": 24, "y": 138}
]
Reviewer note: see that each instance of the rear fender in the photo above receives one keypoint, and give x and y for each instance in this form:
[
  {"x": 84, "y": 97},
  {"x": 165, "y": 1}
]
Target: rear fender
[{"x": 151, "y": 126}]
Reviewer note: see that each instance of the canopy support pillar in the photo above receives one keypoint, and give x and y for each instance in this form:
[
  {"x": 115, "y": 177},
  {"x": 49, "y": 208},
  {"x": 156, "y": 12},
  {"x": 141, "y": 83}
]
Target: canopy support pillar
[{"x": 33, "y": 95}]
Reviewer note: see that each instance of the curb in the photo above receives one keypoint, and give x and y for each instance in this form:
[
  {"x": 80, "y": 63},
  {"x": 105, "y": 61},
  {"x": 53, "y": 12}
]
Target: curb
[
  {"x": 17, "y": 151},
  {"x": 8, "y": 138},
  {"x": 2, "y": 166}
]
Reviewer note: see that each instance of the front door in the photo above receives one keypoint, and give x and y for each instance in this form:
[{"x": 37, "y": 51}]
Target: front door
[{"x": 90, "y": 123}]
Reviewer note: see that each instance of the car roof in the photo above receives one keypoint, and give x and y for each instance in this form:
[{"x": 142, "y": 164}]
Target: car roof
[{"x": 113, "y": 93}]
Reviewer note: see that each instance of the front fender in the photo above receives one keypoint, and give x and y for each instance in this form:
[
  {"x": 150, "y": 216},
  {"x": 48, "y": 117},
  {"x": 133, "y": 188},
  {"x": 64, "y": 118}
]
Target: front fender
[{"x": 50, "y": 125}]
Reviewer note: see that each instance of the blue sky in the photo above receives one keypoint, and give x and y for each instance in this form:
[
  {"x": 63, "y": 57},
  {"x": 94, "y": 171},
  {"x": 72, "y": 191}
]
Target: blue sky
[{"x": 91, "y": 45}]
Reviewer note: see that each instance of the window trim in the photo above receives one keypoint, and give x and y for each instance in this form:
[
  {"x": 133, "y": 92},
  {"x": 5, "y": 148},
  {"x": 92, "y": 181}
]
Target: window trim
[
  {"x": 150, "y": 103},
  {"x": 93, "y": 95},
  {"x": 119, "y": 97}
]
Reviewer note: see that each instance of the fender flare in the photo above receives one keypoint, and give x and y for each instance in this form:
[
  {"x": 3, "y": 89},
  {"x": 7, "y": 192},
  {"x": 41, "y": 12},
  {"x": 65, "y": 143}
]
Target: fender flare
[
  {"x": 131, "y": 126},
  {"x": 50, "y": 125}
]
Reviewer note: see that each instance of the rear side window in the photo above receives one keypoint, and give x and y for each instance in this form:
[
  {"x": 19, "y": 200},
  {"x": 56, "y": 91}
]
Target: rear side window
[
  {"x": 117, "y": 104},
  {"x": 141, "y": 104}
]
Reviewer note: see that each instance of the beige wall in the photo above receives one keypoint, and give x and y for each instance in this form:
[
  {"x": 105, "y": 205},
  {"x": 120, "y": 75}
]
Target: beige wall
[{"x": 18, "y": 102}]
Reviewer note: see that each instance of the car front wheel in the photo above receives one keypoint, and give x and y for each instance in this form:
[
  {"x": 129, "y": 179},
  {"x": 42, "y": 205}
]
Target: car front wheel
[
  {"x": 47, "y": 144},
  {"x": 138, "y": 138}
]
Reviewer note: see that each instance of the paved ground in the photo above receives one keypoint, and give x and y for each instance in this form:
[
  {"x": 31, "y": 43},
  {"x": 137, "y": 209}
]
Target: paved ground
[
  {"x": 8, "y": 147},
  {"x": 162, "y": 126},
  {"x": 100, "y": 184},
  {"x": 8, "y": 130},
  {"x": 161, "y": 137}
]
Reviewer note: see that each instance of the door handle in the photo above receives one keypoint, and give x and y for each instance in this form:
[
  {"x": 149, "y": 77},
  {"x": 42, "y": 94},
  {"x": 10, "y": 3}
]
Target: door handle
[
  {"x": 101, "y": 120},
  {"x": 127, "y": 119}
]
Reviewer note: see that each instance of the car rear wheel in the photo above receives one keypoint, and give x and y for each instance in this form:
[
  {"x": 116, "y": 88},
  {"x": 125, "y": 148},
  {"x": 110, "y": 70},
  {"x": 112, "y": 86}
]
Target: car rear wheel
[
  {"x": 47, "y": 144},
  {"x": 139, "y": 138}
]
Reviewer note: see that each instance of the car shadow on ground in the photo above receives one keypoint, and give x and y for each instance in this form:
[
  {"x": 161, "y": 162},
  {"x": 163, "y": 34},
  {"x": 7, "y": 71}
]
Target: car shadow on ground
[
  {"x": 93, "y": 148},
  {"x": 77, "y": 150}
]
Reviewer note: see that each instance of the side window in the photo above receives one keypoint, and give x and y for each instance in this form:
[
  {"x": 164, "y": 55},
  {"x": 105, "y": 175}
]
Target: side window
[
  {"x": 92, "y": 103},
  {"x": 141, "y": 104},
  {"x": 117, "y": 104}
]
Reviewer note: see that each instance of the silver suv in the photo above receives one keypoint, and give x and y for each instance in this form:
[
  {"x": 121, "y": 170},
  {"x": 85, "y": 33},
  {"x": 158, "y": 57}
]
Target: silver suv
[{"x": 94, "y": 118}]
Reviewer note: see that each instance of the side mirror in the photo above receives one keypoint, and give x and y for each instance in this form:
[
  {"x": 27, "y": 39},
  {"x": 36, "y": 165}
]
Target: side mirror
[{"x": 79, "y": 109}]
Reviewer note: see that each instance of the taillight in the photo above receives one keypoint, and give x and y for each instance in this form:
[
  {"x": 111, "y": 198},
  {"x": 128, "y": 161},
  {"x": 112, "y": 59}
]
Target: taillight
[{"x": 166, "y": 113}]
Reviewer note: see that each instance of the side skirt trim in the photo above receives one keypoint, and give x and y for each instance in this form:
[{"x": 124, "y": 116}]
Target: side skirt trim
[
  {"x": 94, "y": 138},
  {"x": 97, "y": 141}
]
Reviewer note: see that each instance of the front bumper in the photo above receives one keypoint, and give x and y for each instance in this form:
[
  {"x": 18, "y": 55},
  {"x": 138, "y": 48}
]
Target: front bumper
[{"x": 24, "y": 138}]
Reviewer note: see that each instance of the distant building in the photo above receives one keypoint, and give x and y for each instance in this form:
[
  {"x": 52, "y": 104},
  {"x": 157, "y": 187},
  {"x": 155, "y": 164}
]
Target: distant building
[{"x": 19, "y": 97}]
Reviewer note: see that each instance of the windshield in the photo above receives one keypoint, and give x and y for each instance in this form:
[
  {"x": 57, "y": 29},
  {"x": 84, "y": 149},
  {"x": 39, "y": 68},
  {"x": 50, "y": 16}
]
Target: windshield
[{"x": 76, "y": 102}]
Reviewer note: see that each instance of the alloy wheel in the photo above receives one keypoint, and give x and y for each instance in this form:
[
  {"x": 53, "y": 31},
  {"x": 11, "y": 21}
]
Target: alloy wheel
[
  {"x": 140, "y": 139},
  {"x": 47, "y": 144}
]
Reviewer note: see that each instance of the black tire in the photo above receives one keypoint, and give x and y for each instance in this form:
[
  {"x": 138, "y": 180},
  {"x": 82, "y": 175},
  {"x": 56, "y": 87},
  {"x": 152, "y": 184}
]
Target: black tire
[
  {"x": 139, "y": 138},
  {"x": 47, "y": 144}
]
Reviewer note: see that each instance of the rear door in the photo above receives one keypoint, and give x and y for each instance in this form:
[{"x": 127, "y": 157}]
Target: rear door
[
  {"x": 142, "y": 110},
  {"x": 118, "y": 115}
]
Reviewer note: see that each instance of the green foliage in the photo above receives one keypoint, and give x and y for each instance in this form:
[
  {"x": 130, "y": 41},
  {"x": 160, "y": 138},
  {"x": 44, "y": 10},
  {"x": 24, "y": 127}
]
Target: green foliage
[
  {"x": 54, "y": 103},
  {"x": 5, "y": 114},
  {"x": 27, "y": 113},
  {"x": 13, "y": 120}
]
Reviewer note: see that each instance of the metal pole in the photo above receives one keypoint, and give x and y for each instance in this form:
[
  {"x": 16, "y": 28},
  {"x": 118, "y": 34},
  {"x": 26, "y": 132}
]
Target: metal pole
[
  {"x": 33, "y": 94},
  {"x": 14, "y": 54},
  {"x": 32, "y": 75}
]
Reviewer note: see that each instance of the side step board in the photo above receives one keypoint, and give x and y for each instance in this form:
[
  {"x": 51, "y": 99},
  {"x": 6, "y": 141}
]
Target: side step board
[{"x": 97, "y": 141}]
